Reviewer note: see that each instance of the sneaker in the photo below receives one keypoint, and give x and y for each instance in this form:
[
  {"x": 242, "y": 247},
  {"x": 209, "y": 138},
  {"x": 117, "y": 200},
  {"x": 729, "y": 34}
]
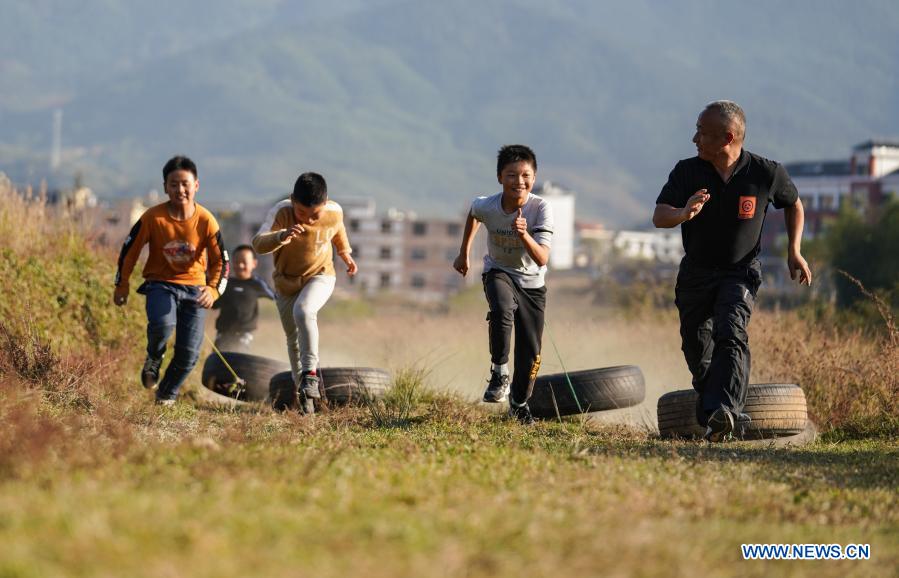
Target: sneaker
[
  {"x": 721, "y": 425},
  {"x": 497, "y": 388},
  {"x": 309, "y": 385},
  {"x": 308, "y": 391},
  {"x": 522, "y": 413},
  {"x": 165, "y": 402},
  {"x": 149, "y": 375}
]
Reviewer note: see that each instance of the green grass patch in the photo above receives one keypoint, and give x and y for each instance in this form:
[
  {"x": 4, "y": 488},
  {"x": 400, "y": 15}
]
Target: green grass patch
[{"x": 457, "y": 492}]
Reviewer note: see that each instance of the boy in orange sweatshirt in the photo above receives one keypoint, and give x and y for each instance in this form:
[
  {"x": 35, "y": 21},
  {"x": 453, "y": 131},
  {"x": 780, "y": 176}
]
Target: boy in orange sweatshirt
[{"x": 185, "y": 272}]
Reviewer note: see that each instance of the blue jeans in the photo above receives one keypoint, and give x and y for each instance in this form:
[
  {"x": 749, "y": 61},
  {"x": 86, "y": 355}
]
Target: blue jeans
[{"x": 173, "y": 307}]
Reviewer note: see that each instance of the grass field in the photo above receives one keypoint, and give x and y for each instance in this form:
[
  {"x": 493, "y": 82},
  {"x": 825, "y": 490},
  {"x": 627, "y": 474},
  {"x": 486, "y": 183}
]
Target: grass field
[
  {"x": 455, "y": 491},
  {"x": 97, "y": 481}
]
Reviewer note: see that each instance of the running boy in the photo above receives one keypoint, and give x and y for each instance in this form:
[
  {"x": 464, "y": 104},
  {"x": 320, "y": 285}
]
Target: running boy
[
  {"x": 185, "y": 272},
  {"x": 519, "y": 227},
  {"x": 300, "y": 231},
  {"x": 239, "y": 305}
]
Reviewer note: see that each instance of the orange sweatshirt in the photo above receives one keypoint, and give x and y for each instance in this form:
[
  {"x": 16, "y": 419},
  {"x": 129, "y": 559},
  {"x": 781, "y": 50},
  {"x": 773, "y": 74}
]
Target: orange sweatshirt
[
  {"x": 187, "y": 252},
  {"x": 307, "y": 255}
]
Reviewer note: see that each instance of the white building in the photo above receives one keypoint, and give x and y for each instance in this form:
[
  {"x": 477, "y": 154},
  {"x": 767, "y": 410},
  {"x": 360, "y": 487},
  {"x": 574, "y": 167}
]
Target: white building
[
  {"x": 562, "y": 203},
  {"x": 664, "y": 246}
]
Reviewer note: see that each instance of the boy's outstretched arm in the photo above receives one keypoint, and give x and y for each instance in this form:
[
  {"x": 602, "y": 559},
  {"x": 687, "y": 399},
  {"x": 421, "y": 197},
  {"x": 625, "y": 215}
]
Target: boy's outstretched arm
[
  {"x": 217, "y": 270},
  {"x": 128, "y": 256},
  {"x": 471, "y": 228},
  {"x": 342, "y": 245},
  {"x": 539, "y": 253},
  {"x": 272, "y": 235},
  {"x": 351, "y": 267}
]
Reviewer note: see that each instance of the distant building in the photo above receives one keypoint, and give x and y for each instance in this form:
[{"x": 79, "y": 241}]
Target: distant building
[
  {"x": 562, "y": 202},
  {"x": 663, "y": 246},
  {"x": 399, "y": 252},
  {"x": 377, "y": 242},
  {"x": 600, "y": 248},
  {"x": 429, "y": 248},
  {"x": 864, "y": 181}
]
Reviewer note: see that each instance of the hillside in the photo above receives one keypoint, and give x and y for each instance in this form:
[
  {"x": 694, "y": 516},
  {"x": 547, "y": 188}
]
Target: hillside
[{"x": 407, "y": 101}]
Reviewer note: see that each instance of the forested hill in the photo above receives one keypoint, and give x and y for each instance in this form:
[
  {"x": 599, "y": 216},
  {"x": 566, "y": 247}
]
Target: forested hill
[{"x": 408, "y": 101}]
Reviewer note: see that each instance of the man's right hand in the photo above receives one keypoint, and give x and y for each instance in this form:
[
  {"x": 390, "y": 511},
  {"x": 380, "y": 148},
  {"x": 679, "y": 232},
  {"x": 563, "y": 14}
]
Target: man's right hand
[
  {"x": 292, "y": 233},
  {"x": 120, "y": 296},
  {"x": 695, "y": 204},
  {"x": 461, "y": 264}
]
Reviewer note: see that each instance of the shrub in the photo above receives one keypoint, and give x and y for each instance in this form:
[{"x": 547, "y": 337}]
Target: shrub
[{"x": 57, "y": 280}]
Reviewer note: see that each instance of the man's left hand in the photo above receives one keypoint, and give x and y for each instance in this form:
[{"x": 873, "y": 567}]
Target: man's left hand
[
  {"x": 798, "y": 266},
  {"x": 205, "y": 299}
]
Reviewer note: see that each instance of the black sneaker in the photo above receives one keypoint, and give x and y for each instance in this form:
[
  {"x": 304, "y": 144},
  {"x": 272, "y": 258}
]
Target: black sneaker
[
  {"x": 309, "y": 386},
  {"x": 497, "y": 388},
  {"x": 149, "y": 375},
  {"x": 522, "y": 413},
  {"x": 721, "y": 425}
]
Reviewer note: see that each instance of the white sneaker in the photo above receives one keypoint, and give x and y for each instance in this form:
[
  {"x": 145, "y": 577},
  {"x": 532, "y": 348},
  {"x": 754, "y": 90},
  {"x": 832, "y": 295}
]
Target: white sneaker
[{"x": 497, "y": 388}]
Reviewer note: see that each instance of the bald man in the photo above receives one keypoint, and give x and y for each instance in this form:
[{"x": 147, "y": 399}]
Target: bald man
[{"x": 720, "y": 198}]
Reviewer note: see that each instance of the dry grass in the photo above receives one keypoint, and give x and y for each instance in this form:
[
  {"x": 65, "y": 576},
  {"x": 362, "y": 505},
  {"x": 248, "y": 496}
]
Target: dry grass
[
  {"x": 850, "y": 375},
  {"x": 131, "y": 489}
]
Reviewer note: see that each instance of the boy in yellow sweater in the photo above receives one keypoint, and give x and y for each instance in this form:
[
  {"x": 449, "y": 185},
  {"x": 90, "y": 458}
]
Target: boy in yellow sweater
[
  {"x": 185, "y": 272},
  {"x": 300, "y": 231}
]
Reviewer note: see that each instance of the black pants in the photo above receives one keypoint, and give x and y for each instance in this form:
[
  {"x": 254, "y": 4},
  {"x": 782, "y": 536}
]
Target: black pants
[
  {"x": 714, "y": 306},
  {"x": 511, "y": 306}
]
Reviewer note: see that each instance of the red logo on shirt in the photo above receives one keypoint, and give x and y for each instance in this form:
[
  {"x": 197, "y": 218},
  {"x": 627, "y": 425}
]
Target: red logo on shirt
[
  {"x": 178, "y": 252},
  {"x": 747, "y": 208}
]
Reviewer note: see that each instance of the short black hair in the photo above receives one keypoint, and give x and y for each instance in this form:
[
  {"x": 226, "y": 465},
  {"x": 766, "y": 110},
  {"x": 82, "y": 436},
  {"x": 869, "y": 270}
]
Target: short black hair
[
  {"x": 509, "y": 154},
  {"x": 178, "y": 163},
  {"x": 240, "y": 248},
  {"x": 310, "y": 190}
]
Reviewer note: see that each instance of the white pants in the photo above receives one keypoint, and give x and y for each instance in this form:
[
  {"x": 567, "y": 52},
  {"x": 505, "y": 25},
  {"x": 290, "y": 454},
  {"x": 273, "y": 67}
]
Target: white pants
[{"x": 299, "y": 317}]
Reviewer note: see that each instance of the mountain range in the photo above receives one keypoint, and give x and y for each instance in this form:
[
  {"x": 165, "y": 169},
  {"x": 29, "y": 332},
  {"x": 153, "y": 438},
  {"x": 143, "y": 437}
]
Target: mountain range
[{"x": 407, "y": 101}]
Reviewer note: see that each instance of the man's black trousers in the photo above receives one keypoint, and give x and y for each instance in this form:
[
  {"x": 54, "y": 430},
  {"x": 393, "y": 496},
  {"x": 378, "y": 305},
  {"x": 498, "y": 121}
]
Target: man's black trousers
[
  {"x": 714, "y": 306},
  {"x": 522, "y": 309}
]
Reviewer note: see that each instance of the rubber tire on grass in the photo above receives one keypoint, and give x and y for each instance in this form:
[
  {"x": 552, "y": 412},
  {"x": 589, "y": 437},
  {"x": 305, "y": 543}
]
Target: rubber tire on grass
[
  {"x": 804, "y": 438},
  {"x": 596, "y": 389},
  {"x": 777, "y": 410},
  {"x": 255, "y": 370},
  {"x": 205, "y": 396},
  {"x": 340, "y": 386}
]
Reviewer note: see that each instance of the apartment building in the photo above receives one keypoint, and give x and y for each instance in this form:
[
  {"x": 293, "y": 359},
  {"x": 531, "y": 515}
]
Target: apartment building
[
  {"x": 430, "y": 247},
  {"x": 865, "y": 180}
]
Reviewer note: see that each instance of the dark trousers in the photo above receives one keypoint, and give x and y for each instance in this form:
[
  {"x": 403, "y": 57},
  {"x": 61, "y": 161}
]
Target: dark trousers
[
  {"x": 715, "y": 305},
  {"x": 173, "y": 307},
  {"x": 521, "y": 309}
]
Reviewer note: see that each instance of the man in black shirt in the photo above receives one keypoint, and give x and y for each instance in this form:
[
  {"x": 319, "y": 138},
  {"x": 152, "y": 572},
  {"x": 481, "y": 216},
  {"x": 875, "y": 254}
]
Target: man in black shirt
[
  {"x": 238, "y": 304},
  {"x": 721, "y": 197}
]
